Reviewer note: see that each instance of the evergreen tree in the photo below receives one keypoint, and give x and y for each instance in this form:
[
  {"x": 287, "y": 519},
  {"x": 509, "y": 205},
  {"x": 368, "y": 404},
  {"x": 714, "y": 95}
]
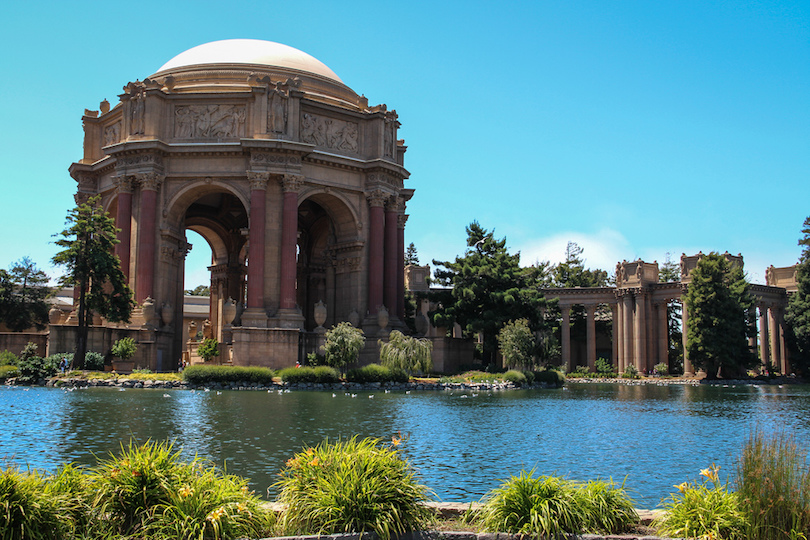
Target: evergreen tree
[
  {"x": 23, "y": 290},
  {"x": 94, "y": 269},
  {"x": 720, "y": 318},
  {"x": 671, "y": 272},
  {"x": 485, "y": 289},
  {"x": 411, "y": 256},
  {"x": 797, "y": 315}
]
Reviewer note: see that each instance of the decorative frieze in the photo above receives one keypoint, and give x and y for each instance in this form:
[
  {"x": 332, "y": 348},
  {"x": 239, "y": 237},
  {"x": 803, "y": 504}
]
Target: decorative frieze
[
  {"x": 349, "y": 264},
  {"x": 112, "y": 134},
  {"x": 329, "y": 133},
  {"x": 209, "y": 121},
  {"x": 272, "y": 158},
  {"x": 140, "y": 159}
]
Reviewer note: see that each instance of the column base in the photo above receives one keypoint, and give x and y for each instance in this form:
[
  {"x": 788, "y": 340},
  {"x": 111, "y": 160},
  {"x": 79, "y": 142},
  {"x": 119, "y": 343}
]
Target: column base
[
  {"x": 254, "y": 318},
  {"x": 288, "y": 318}
]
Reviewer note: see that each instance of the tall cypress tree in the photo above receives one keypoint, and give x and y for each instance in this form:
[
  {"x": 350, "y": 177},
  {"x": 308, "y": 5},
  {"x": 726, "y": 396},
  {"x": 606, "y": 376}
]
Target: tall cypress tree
[
  {"x": 720, "y": 318},
  {"x": 94, "y": 269},
  {"x": 797, "y": 315}
]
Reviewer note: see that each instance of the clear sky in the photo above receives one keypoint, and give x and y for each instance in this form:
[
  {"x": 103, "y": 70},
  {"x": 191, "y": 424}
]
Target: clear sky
[{"x": 634, "y": 128}]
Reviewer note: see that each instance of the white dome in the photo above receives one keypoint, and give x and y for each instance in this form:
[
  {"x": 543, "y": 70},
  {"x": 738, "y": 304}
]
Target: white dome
[{"x": 250, "y": 51}]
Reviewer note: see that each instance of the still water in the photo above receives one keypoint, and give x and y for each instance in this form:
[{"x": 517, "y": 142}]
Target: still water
[{"x": 461, "y": 443}]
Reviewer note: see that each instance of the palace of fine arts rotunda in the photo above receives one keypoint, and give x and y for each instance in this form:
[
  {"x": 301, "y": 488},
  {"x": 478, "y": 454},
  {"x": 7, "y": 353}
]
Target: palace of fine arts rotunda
[{"x": 293, "y": 179}]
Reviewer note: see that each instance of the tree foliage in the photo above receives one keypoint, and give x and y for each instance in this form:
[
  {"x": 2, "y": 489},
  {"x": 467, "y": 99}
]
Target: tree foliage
[
  {"x": 670, "y": 272},
  {"x": 124, "y": 348},
  {"x": 485, "y": 288},
  {"x": 572, "y": 272},
  {"x": 797, "y": 315},
  {"x": 87, "y": 253},
  {"x": 199, "y": 290},
  {"x": 23, "y": 289},
  {"x": 208, "y": 349},
  {"x": 343, "y": 344},
  {"x": 407, "y": 353},
  {"x": 720, "y": 317},
  {"x": 411, "y": 257},
  {"x": 516, "y": 342}
]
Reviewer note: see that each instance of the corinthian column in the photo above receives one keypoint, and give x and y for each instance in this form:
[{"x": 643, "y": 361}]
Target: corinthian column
[
  {"x": 590, "y": 314},
  {"x": 147, "y": 228},
  {"x": 376, "y": 199},
  {"x": 289, "y": 231},
  {"x": 391, "y": 272},
  {"x": 256, "y": 228},
  {"x": 401, "y": 219},
  {"x": 565, "y": 337},
  {"x": 123, "y": 220}
]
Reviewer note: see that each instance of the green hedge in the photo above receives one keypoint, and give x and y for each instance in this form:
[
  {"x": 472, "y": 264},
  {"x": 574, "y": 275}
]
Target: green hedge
[
  {"x": 550, "y": 377},
  {"x": 319, "y": 374},
  {"x": 377, "y": 373},
  {"x": 199, "y": 374},
  {"x": 7, "y": 372}
]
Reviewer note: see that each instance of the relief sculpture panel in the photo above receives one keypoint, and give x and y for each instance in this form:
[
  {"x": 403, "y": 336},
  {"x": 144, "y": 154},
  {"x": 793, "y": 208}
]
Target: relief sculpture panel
[
  {"x": 112, "y": 134},
  {"x": 209, "y": 121},
  {"x": 329, "y": 132}
]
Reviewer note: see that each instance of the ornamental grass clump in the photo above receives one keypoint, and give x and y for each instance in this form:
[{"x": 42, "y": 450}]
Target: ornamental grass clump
[
  {"x": 352, "y": 486},
  {"x": 30, "y": 509},
  {"x": 773, "y": 483},
  {"x": 550, "y": 506},
  {"x": 704, "y": 510}
]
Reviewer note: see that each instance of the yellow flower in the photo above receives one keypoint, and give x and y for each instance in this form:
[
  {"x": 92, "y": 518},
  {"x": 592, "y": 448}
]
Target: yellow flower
[
  {"x": 396, "y": 441},
  {"x": 682, "y": 486},
  {"x": 241, "y": 507},
  {"x": 185, "y": 491},
  {"x": 314, "y": 462},
  {"x": 216, "y": 514},
  {"x": 712, "y": 473}
]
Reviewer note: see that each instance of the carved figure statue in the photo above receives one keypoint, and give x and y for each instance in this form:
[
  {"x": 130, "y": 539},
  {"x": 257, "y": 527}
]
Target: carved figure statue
[
  {"x": 277, "y": 110},
  {"x": 348, "y": 139},
  {"x": 389, "y": 138},
  {"x": 308, "y": 128},
  {"x": 207, "y": 330},
  {"x": 183, "y": 123},
  {"x": 137, "y": 114}
]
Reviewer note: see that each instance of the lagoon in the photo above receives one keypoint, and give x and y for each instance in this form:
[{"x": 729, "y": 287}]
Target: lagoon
[{"x": 462, "y": 442}]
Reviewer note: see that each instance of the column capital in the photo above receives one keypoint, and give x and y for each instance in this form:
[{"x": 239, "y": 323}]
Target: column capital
[
  {"x": 149, "y": 181},
  {"x": 258, "y": 180},
  {"x": 123, "y": 184},
  {"x": 377, "y": 198},
  {"x": 291, "y": 183},
  {"x": 401, "y": 220}
]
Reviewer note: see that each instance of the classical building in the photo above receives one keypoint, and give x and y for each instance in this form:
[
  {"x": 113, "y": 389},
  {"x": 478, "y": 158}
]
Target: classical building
[{"x": 295, "y": 182}]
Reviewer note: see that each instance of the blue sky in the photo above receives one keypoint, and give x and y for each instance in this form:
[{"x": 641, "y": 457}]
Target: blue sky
[{"x": 634, "y": 128}]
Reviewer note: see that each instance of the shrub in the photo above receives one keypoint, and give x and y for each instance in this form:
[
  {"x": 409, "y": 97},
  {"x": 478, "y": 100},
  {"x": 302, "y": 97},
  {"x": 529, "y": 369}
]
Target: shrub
[
  {"x": 550, "y": 377},
  {"x": 305, "y": 374},
  {"x": 406, "y": 353},
  {"x": 705, "y": 510},
  {"x": 208, "y": 349},
  {"x": 29, "y": 509},
  {"x": 516, "y": 343},
  {"x": 8, "y": 372},
  {"x": 630, "y": 372},
  {"x": 376, "y": 373},
  {"x": 343, "y": 344},
  {"x": 34, "y": 368},
  {"x": 8, "y": 358},
  {"x": 515, "y": 377},
  {"x": 549, "y": 506},
  {"x": 124, "y": 348},
  {"x": 315, "y": 359},
  {"x": 200, "y": 374},
  {"x": 605, "y": 368},
  {"x": 93, "y": 361},
  {"x": 580, "y": 372},
  {"x": 351, "y": 486},
  {"x": 773, "y": 483},
  {"x": 661, "y": 369}
]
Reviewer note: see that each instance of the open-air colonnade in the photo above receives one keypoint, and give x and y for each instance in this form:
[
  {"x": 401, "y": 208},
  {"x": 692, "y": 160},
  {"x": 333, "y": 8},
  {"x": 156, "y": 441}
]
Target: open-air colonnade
[{"x": 638, "y": 305}]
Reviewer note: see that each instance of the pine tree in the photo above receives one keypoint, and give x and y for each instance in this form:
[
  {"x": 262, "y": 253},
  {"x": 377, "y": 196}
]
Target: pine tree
[
  {"x": 797, "y": 315},
  {"x": 94, "y": 269},
  {"x": 720, "y": 318},
  {"x": 23, "y": 290},
  {"x": 411, "y": 257},
  {"x": 486, "y": 288}
]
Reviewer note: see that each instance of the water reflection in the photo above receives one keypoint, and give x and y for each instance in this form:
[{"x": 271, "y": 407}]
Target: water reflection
[{"x": 463, "y": 444}]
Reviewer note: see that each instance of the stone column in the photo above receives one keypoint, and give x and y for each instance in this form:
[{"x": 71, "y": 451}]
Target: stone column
[
  {"x": 687, "y": 364},
  {"x": 764, "y": 349},
  {"x": 590, "y": 318},
  {"x": 258, "y": 216},
  {"x": 782, "y": 344},
  {"x": 289, "y": 233},
  {"x": 776, "y": 352},
  {"x": 376, "y": 199},
  {"x": 627, "y": 328},
  {"x": 565, "y": 337},
  {"x": 640, "y": 328},
  {"x": 391, "y": 242},
  {"x": 401, "y": 219},
  {"x": 663, "y": 334},
  {"x": 147, "y": 229},
  {"x": 614, "y": 311},
  {"x": 123, "y": 220}
]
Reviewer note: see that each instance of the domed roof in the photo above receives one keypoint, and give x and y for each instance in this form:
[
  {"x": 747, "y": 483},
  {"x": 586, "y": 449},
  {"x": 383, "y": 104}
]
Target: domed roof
[{"x": 250, "y": 52}]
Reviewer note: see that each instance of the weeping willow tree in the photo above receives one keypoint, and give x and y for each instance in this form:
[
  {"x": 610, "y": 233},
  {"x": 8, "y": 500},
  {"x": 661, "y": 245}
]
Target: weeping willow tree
[{"x": 406, "y": 353}]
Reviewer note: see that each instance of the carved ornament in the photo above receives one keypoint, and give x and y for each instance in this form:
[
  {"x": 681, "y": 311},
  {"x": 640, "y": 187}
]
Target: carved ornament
[
  {"x": 401, "y": 220},
  {"x": 349, "y": 264},
  {"x": 149, "y": 181},
  {"x": 291, "y": 183},
  {"x": 275, "y": 159},
  {"x": 377, "y": 197},
  {"x": 112, "y": 134},
  {"x": 258, "y": 180},
  {"x": 140, "y": 159},
  {"x": 329, "y": 133},
  {"x": 209, "y": 121},
  {"x": 123, "y": 184}
]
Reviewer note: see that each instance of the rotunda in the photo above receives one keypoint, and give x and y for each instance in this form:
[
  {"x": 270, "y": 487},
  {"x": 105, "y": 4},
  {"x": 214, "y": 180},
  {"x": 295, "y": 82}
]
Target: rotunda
[{"x": 295, "y": 182}]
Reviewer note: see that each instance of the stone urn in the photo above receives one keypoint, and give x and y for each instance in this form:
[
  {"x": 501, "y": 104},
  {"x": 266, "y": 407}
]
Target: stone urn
[
  {"x": 54, "y": 315},
  {"x": 228, "y": 312},
  {"x": 382, "y": 319},
  {"x": 354, "y": 318},
  {"x": 320, "y": 313},
  {"x": 166, "y": 314},
  {"x": 148, "y": 310}
]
